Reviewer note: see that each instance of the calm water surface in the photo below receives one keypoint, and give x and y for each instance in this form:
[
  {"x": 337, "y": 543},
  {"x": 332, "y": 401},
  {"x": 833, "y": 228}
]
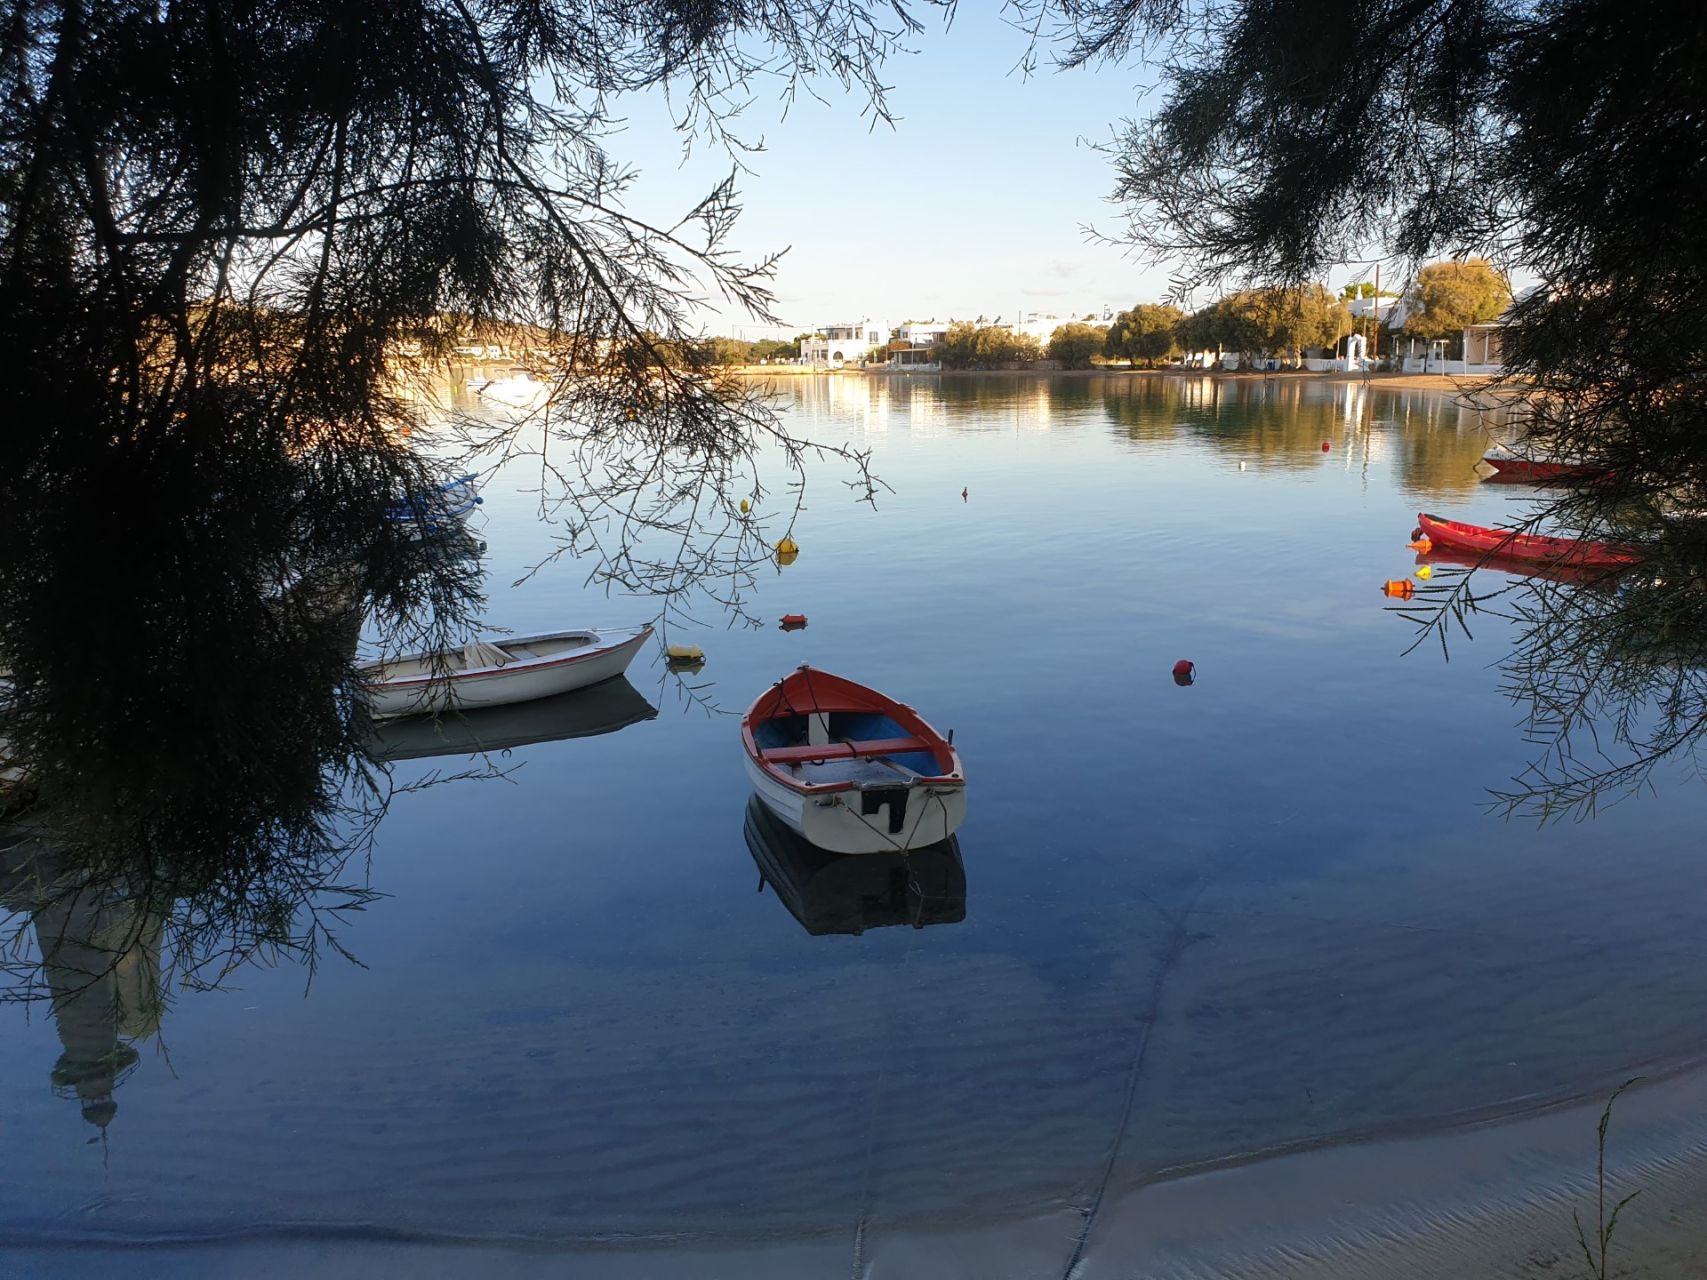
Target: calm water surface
[{"x": 1265, "y": 911}]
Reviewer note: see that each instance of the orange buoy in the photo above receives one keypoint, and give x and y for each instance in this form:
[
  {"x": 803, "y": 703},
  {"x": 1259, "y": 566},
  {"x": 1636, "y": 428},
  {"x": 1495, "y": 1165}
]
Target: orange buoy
[
  {"x": 1403, "y": 588},
  {"x": 1424, "y": 544},
  {"x": 793, "y": 621}
]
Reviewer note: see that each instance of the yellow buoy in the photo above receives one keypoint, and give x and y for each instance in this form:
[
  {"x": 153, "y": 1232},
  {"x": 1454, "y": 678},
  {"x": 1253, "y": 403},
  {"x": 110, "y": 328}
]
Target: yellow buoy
[
  {"x": 788, "y": 547},
  {"x": 744, "y": 507},
  {"x": 1426, "y": 572},
  {"x": 787, "y": 557},
  {"x": 685, "y": 653}
]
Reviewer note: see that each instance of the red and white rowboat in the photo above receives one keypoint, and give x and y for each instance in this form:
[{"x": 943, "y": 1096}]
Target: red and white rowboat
[
  {"x": 851, "y": 769},
  {"x": 490, "y": 673},
  {"x": 1508, "y": 545}
]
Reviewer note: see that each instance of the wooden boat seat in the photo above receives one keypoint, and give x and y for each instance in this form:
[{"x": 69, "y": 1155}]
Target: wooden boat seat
[{"x": 844, "y": 750}]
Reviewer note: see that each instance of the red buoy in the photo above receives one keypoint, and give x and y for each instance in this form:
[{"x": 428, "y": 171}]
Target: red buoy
[
  {"x": 793, "y": 621},
  {"x": 1325, "y": 446},
  {"x": 1184, "y": 672}
]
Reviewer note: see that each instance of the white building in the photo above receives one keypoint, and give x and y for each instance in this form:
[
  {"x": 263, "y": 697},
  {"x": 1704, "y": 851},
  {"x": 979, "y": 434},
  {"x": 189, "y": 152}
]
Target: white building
[
  {"x": 923, "y": 333},
  {"x": 1393, "y": 310},
  {"x": 1042, "y": 327},
  {"x": 846, "y": 343}
]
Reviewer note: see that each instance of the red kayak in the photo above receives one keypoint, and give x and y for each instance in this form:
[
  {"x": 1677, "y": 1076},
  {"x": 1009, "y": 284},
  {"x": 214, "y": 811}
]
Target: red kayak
[{"x": 1508, "y": 545}]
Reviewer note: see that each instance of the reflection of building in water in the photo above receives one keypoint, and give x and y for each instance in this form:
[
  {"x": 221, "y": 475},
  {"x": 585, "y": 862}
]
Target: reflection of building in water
[
  {"x": 100, "y": 957},
  {"x": 850, "y": 893},
  {"x": 868, "y": 406}
]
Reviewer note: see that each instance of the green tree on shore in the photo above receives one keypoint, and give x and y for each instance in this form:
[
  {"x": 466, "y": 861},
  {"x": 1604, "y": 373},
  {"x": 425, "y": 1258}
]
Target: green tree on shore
[
  {"x": 1073, "y": 344},
  {"x": 970, "y": 346},
  {"x": 1455, "y": 295},
  {"x": 1149, "y": 332},
  {"x": 1283, "y": 321},
  {"x": 1273, "y": 320}
]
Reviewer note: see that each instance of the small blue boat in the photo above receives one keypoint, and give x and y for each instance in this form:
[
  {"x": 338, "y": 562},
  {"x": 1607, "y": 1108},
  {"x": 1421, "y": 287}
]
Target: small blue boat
[{"x": 449, "y": 501}]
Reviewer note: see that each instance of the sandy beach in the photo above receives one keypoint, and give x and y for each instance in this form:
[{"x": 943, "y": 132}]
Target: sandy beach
[{"x": 1487, "y": 1201}]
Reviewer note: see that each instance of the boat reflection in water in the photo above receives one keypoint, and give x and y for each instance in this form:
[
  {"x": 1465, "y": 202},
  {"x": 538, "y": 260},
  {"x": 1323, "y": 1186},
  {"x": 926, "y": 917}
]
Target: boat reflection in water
[
  {"x": 99, "y": 949},
  {"x": 581, "y": 713},
  {"x": 850, "y": 893},
  {"x": 1569, "y": 574}
]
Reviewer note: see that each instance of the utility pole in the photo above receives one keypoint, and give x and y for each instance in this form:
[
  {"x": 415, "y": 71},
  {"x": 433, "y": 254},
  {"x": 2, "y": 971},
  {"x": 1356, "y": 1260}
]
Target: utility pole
[{"x": 1375, "y": 334}]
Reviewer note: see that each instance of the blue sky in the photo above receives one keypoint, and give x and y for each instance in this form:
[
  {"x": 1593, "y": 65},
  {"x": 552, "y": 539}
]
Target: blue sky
[{"x": 976, "y": 202}]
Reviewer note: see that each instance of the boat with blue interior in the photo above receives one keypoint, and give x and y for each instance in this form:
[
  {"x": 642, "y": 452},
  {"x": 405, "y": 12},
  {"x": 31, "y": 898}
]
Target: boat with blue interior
[{"x": 851, "y": 769}]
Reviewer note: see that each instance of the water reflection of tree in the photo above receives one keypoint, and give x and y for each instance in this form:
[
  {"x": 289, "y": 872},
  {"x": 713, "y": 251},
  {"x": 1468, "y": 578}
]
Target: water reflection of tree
[
  {"x": 178, "y": 623},
  {"x": 1432, "y": 442},
  {"x": 99, "y": 949},
  {"x": 1608, "y": 671}
]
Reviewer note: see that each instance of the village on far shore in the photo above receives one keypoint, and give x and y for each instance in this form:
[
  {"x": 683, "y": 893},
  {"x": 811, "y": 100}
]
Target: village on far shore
[{"x": 1448, "y": 322}]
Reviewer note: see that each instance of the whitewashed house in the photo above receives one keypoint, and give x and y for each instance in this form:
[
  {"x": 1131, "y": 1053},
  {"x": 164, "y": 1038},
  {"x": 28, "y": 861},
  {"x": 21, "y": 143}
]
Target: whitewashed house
[
  {"x": 835, "y": 345},
  {"x": 923, "y": 333}
]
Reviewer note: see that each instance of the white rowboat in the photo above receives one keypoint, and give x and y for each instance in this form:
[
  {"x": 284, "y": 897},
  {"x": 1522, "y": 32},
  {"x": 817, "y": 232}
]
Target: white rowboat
[{"x": 490, "y": 673}]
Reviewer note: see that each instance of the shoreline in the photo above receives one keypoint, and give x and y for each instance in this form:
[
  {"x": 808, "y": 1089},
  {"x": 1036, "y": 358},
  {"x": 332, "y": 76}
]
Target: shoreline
[
  {"x": 1490, "y": 1199},
  {"x": 1470, "y": 384}
]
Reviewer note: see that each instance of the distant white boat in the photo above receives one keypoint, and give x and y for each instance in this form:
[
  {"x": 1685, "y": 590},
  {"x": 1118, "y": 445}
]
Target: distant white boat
[
  {"x": 518, "y": 391},
  {"x": 490, "y": 673}
]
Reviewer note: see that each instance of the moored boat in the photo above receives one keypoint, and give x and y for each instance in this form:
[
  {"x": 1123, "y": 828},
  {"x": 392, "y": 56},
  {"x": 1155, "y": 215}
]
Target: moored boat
[
  {"x": 851, "y": 769},
  {"x": 491, "y": 673},
  {"x": 1508, "y": 544},
  {"x": 1514, "y": 468},
  {"x": 439, "y": 505},
  {"x": 850, "y": 893}
]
